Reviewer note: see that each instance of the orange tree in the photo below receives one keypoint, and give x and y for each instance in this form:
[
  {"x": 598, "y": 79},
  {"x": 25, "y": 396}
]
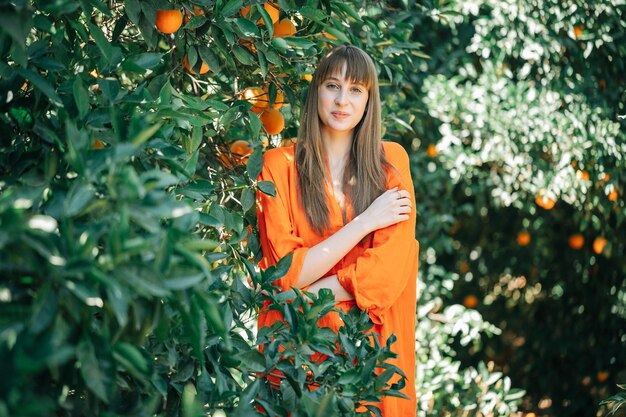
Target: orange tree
[
  {"x": 127, "y": 288},
  {"x": 520, "y": 153}
]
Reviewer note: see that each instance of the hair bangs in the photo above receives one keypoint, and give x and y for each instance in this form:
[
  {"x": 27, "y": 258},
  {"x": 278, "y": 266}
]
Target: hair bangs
[{"x": 359, "y": 69}]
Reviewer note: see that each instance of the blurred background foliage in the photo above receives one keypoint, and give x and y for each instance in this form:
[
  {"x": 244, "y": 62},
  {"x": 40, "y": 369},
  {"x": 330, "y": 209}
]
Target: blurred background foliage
[{"x": 127, "y": 193}]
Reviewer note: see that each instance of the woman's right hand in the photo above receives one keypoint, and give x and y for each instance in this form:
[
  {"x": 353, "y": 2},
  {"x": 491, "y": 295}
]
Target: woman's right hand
[{"x": 391, "y": 207}]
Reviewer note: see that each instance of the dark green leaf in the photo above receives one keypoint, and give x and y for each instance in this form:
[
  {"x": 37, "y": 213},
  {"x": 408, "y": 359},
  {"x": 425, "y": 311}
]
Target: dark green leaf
[
  {"x": 267, "y": 187},
  {"x": 231, "y": 8},
  {"x": 255, "y": 164}
]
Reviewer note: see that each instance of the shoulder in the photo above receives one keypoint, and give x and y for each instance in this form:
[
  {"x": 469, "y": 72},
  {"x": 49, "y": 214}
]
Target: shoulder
[
  {"x": 395, "y": 153},
  {"x": 278, "y": 158}
]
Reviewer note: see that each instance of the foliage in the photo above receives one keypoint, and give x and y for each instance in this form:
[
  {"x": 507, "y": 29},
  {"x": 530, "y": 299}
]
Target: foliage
[
  {"x": 518, "y": 101},
  {"x": 124, "y": 218}
]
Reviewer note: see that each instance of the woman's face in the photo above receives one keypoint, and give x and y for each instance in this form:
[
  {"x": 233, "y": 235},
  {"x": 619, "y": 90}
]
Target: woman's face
[{"x": 341, "y": 103}]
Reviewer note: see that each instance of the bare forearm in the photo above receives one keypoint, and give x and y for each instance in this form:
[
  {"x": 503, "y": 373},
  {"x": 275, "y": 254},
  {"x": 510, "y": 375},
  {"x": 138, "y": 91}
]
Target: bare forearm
[
  {"x": 332, "y": 283},
  {"x": 323, "y": 256}
]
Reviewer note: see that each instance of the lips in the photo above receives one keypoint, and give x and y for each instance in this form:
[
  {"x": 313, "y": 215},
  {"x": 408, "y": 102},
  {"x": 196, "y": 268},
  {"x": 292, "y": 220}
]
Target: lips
[{"x": 340, "y": 114}]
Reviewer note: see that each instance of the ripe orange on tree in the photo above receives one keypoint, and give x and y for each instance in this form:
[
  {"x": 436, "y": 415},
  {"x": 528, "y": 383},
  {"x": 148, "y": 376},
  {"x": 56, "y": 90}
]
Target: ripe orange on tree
[
  {"x": 271, "y": 9},
  {"x": 598, "y": 244},
  {"x": 196, "y": 12},
  {"x": 257, "y": 97},
  {"x": 544, "y": 201},
  {"x": 284, "y": 28},
  {"x": 582, "y": 175},
  {"x": 523, "y": 238},
  {"x": 204, "y": 68},
  {"x": 168, "y": 21},
  {"x": 431, "y": 151},
  {"x": 602, "y": 376},
  {"x": 279, "y": 100},
  {"x": 97, "y": 144},
  {"x": 273, "y": 121},
  {"x": 470, "y": 301},
  {"x": 613, "y": 195},
  {"x": 576, "y": 241},
  {"x": 307, "y": 77},
  {"x": 578, "y": 30},
  {"x": 241, "y": 150}
]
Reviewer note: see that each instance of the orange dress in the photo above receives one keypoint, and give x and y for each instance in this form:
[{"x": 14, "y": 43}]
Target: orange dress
[{"x": 381, "y": 274}]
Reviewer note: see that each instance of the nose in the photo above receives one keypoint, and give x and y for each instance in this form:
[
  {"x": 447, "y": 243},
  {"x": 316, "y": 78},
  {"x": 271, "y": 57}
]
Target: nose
[{"x": 341, "y": 97}]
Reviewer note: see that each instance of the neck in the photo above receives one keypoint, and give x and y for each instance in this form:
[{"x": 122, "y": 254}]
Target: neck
[{"x": 337, "y": 145}]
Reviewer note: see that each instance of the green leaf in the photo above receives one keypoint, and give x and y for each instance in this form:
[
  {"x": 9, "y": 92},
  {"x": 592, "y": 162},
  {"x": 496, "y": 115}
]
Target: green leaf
[
  {"x": 267, "y": 187},
  {"x": 280, "y": 44},
  {"x": 209, "y": 58},
  {"x": 299, "y": 42},
  {"x": 101, "y": 41},
  {"x": 131, "y": 358},
  {"x": 247, "y": 28},
  {"x": 145, "y": 134},
  {"x": 110, "y": 88},
  {"x": 81, "y": 97},
  {"x": 17, "y": 24},
  {"x": 142, "y": 61},
  {"x": 94, "y": 369},
  {"x": 77, "y": 199},
  {"x": 255, "y": 164},
  {"x": 243, "y": 55},
  {"x": 41, "y": 83},
  {"x": 247, "y": 199},
  {"x": 253, "y": 360},
  {"x": 232, "y": 7},
  {"x": 348, "y": 10}
]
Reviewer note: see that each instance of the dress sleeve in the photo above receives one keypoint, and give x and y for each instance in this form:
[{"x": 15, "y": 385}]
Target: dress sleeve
[
  {"x": 378, "y": 277},
  {"x": 276, "y": 232}
]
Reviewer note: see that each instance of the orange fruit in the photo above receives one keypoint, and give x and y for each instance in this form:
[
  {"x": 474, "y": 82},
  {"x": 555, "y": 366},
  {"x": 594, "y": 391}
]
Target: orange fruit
[
  {"x": 97, "y": 144},
  {"x": 224, "y": 158},
  {"x": 582, "y": 175},
  {"x": 544, "y": 201},
  {"x": 578, "y": 30},
  {"x": 431, "y": 151},
  {"x": 307, "y": 77},
  {"x": 196, "y": 12},
  {"x": 464, "y": 267},
  {"x": 279, "y": 100},
  {"x": 613, "y": 195},
  {"x": 598, "y": 244},
  {"x": 470, "y": 301},
  {"x": 576, "y": 241},
  {"x": 241, "y": 150},
  {"x": 602, "y": 376},
  {"x": 168, "y": 21},
  {"x": 248, "y": 44},
  {"x": 284, "y": 28},
  {"x": 257, "y": 97},
  {"x": 204, "y": 68},
  {"x": 273, "y": 121},
  {"x": 271, "y": 9},
  {"x": 328, "y": 36},
  {"x": 523, "y": 238}
]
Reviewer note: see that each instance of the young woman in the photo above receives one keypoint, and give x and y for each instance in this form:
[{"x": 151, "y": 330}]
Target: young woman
[{"x": 344, "y": 207}]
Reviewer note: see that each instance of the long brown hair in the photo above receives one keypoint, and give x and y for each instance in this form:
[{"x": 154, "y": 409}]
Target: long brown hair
[{"x": 364, "y": 176}]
